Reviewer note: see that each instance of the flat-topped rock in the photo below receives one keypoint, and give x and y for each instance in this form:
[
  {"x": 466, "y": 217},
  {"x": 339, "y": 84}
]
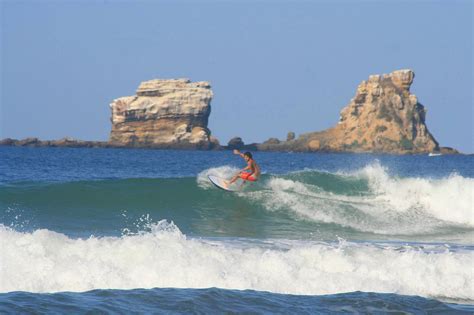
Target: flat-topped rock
[{"x": 164, "y": 113}]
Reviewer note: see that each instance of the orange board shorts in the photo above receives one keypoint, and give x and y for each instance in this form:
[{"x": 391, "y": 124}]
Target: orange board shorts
[{"x": 248, "y": 177}]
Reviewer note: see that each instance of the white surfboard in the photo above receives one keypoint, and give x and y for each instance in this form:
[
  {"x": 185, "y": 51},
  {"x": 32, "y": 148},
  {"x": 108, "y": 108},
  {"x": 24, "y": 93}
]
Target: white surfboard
[{"x": 219, "y": 183}]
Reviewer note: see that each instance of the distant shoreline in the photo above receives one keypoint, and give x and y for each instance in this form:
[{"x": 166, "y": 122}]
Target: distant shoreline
[{"x": 33, "y": 142}]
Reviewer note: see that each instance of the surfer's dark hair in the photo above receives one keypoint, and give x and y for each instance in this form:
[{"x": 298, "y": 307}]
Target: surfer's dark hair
[{"x": 248, "y": 154}]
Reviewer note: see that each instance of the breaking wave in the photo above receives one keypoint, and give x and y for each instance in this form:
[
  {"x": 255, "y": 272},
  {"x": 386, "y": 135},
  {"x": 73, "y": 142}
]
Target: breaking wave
[
  {"x": 369, "y": 200},
  {"x": 46, "y": 261}
]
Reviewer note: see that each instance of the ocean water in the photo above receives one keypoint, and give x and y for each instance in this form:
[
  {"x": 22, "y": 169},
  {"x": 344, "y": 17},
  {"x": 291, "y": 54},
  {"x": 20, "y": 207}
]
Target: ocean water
[{"x": 120, "y": 230}]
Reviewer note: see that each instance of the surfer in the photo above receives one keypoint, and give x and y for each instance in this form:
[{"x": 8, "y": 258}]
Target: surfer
[{"x": 250, "y": 173}]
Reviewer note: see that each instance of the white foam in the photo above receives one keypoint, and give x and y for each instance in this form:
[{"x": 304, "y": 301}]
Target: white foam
[
  {"x": 309, "y": 202},
  {"x": 305, "y": 200},
  {"x": 448, "y": 199},
  {"x": 400, "y": 206},
  {"x": 45, "y": 261},
  {"x": 221, "y": 171}
]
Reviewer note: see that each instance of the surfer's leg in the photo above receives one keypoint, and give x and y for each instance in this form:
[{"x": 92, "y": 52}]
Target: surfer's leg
[{"x": 233, "y": 179}]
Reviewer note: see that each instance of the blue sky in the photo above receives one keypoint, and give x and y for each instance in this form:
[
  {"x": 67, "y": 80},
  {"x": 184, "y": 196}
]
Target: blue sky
[{"x": 274, "y": 66}]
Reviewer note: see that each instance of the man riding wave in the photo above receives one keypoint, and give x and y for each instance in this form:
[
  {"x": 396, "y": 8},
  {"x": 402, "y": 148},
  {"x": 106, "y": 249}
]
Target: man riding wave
[{"x": 250, "y": 173}]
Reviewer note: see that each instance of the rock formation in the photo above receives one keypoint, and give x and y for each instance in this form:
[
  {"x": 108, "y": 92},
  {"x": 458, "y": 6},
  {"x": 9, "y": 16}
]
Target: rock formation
[
  {"x": 235, "y": 143},
  {"x": 64, "y": 142},
  {"x": 382, "y": 117},
  {"x": 290, "y": 136},
  {"x": 164, "y": 114}
]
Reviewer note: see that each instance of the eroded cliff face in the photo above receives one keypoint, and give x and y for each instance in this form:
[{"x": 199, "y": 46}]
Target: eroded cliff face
[
  {"x": 164, "y": 113},
  {"x": 382, "y": 117},
  {"x": 385, "y": 116}
]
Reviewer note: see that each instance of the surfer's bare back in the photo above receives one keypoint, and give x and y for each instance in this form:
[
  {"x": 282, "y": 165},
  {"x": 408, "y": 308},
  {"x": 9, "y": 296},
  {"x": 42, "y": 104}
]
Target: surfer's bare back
[{"x": 250, "y": 173}]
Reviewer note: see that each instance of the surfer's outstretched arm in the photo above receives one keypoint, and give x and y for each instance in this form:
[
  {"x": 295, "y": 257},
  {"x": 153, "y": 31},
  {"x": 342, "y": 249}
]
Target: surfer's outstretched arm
[{"x": 237, "y": 152}]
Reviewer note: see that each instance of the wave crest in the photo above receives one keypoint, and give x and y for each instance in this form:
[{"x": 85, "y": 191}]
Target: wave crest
[{"x": 448, "y": 199}]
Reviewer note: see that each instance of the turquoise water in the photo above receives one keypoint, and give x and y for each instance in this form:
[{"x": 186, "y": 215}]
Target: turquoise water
[{"x": 100, "y": 224}]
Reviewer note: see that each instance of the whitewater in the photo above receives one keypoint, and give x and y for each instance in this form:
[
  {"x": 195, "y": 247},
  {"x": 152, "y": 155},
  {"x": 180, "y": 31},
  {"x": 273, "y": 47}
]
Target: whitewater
[{"x": 46, "y": 261}]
